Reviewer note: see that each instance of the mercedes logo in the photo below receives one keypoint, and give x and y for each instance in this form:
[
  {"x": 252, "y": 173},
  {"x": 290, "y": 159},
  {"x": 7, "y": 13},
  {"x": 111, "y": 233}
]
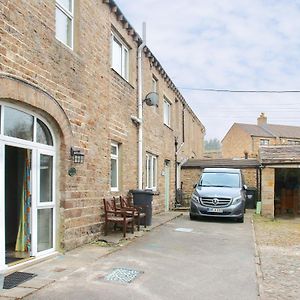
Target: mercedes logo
[{"x": 215, "y": 201}]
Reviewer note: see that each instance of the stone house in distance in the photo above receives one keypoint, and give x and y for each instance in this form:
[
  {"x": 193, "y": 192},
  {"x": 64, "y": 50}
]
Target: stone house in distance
[
  {"x": 245, "y": 139},
  {"x": 276, "y": 148},
  {"x": 71, "y": 102}
]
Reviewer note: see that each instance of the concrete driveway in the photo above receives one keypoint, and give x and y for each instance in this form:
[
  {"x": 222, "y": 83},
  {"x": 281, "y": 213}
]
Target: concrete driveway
[{"x": 182, "y": 259}]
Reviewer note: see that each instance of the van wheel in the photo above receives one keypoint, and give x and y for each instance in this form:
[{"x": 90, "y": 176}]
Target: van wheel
[
  {"x": 192, "y": 217},
  {"x": 240, "y": 220}
]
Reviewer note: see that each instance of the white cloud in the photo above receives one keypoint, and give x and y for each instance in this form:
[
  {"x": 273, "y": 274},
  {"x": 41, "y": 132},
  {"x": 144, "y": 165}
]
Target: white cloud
[{"x": 228, "y": 44}]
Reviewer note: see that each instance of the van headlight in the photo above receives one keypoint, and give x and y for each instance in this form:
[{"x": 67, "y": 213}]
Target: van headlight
[
  {"x": 195, "y": 198},
  {"x": 237, "y": 200}
]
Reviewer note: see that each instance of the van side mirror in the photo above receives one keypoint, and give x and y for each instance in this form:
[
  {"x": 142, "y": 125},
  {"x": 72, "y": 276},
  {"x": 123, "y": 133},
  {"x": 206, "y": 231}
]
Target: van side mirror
[
  {"x": 245, "y": 187},
  {"x": 195, "y": 185}
]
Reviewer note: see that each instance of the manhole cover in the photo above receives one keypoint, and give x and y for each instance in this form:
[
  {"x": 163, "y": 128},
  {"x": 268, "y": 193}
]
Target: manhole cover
[
  {"x": 123, "y": 275},
  {"x": 184, "y": 229},
  {"x": 16, "y": 278}
]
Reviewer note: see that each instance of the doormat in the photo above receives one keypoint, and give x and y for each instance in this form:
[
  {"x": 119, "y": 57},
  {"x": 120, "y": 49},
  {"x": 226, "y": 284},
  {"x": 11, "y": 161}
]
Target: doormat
[
  {"x": 123, "y": 275},
  {"x": 16, "y": 278}
]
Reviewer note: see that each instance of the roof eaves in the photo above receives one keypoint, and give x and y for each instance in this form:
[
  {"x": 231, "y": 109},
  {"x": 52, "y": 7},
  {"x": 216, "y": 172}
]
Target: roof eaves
[
  {"x": 121, "y": 18},
  {"x": 154, "y": 61}
]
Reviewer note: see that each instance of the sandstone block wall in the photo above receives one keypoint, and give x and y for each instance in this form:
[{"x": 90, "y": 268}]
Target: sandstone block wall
[
  {"x": 267, "y": 192},
  {"x": 89, "y": 106}
]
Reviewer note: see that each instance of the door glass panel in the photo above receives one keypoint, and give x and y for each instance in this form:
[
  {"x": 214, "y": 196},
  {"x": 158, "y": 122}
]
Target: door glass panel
[
  {"x": 18, "y": 124},
  {"x": 45, "y": 229},
  {"x": 66, "y": 4},
  {"x": 46, "y": 171},
  {"x": 43, "y": 134},
  {"x": 114, "y": 180}
]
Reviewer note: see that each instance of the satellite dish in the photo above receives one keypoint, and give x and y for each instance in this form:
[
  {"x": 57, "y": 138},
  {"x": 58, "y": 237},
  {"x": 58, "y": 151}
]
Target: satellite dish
[{"x": 151, "y": 99}]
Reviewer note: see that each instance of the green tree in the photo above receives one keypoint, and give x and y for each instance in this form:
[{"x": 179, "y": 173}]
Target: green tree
[{"x": 212, "y": 144}]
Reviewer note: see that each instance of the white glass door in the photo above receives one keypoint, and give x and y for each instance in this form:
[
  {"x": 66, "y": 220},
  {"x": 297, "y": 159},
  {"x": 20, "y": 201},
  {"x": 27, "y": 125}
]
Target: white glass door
[
  {"x": 167, "y": 185},
  {"x": 27, "y": 197},
  {"x": 2, "y": 209},
  {"x": 44, "y": 216}
]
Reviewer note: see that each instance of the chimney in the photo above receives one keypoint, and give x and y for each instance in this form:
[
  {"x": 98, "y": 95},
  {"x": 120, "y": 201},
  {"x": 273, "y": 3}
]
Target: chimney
[{"x": 262, "y": 120}]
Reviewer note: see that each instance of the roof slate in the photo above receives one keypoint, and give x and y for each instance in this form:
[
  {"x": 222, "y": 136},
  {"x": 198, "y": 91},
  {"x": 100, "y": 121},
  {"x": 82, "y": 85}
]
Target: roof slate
[
  {"x": 255, "y": 130},
  {"x": 280, "y": 154},
  {"x": 271, "y": 130},
  {"x": 221, "y": 163}
]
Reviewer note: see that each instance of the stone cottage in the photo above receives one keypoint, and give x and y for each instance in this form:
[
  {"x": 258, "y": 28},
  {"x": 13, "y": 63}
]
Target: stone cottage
[
  {"x": 75, "y": 79},
  {"x": 244, "y": 140}
]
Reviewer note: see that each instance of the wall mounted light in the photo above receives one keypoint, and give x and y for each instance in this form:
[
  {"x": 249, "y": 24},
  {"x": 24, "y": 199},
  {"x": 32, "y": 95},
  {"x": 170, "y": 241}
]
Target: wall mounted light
[{"x": 77, "y": 155}]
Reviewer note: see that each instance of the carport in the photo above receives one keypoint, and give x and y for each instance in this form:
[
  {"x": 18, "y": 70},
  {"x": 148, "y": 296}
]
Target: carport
[
  {"x": 192, "y": 169},
  {"x": 280, "y": 180}
]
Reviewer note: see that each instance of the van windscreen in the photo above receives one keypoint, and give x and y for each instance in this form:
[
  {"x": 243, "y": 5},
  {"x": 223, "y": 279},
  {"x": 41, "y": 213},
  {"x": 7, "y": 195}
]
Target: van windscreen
[{"x": 231, "y": 180}]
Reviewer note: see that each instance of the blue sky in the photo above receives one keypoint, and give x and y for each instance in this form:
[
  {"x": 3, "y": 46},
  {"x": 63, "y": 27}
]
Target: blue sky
[{"x": 228, "y": 44}]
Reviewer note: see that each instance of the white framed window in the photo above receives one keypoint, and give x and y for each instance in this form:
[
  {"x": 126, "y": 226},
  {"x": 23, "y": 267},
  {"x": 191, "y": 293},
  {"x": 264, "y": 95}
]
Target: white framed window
[
  {"x": 154, "y": 84},
  {"x": 167, "y": 112},
  {"x": 293, "y": 142},
  {"x": 264, "y": 142},
  {"x": 120, "y": 57},
  {"x": 151, "y": 171},
  {"x": 64, "y": 21},
  {"x": 114, "y": 167}
]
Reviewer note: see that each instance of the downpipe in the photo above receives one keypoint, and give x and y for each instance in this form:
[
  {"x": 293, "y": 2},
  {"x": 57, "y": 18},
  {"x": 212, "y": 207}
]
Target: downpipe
[{"x": 140, "y": 109}]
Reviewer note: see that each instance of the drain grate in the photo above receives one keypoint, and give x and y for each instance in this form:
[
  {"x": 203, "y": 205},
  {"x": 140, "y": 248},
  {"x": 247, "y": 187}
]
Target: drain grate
[
  {"x": 123, "y": 275},
  {"x": 16, "y": 278},
  {"x": 184, "y": 229}
]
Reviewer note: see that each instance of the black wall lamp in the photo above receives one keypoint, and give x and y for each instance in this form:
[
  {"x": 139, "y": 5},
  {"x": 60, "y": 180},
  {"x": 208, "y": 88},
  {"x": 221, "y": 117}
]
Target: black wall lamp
[{"x": 77, "y": 155}]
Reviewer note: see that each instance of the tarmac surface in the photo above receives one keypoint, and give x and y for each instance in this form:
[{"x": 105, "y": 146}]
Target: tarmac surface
[{"x": 183, "y": 259}]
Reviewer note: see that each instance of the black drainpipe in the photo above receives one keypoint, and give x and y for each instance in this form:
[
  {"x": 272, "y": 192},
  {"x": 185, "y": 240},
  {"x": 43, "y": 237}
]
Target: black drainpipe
[{"x": 176, "y": 175}]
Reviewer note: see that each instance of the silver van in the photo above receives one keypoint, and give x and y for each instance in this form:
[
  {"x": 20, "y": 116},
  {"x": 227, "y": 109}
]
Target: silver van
[{"x": 220, "y": 192}]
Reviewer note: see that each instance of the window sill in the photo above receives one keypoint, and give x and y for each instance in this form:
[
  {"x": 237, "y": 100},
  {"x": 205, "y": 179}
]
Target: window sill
[
  {"x": 63, "y": 47},
  {"x": 121, "y": 77},
  {"x": 66, "y": 45},
  {"x": 168, "y": 126}
]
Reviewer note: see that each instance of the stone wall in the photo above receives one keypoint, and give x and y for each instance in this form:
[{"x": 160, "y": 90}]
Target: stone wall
[
  {"x": 189, "y": 177},
  {"x": 236, "y": 143},
  {"x": 89, "y": 106},
  {"x": 267, "y": 192},
  {"x": 250, "y": 177}
]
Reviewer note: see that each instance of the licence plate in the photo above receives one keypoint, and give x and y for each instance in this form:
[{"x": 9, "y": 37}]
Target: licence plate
[{"x": 217, "y": 210}]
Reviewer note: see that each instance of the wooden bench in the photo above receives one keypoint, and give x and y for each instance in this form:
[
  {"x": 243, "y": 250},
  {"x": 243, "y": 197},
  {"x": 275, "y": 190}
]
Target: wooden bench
[
  {"x": 115, "y": 215},
  {"x": 127, "y": 204}
]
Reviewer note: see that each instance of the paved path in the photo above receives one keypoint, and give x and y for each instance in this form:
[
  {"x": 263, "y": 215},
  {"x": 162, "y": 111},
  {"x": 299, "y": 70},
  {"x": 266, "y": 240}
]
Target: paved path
[{"x": 213, "y": 261}]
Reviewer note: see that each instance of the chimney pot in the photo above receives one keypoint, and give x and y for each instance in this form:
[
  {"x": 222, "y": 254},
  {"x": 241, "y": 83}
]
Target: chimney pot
[{"x": 262, "y": 120}]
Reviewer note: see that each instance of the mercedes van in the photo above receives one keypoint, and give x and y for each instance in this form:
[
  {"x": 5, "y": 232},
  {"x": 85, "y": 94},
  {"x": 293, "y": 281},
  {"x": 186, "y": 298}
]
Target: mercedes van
[{"x": 220, "y": 192}]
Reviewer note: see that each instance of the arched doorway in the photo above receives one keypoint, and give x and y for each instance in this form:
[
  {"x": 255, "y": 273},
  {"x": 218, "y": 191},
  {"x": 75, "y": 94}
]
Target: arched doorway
[{"x": 27, "y": 186}]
